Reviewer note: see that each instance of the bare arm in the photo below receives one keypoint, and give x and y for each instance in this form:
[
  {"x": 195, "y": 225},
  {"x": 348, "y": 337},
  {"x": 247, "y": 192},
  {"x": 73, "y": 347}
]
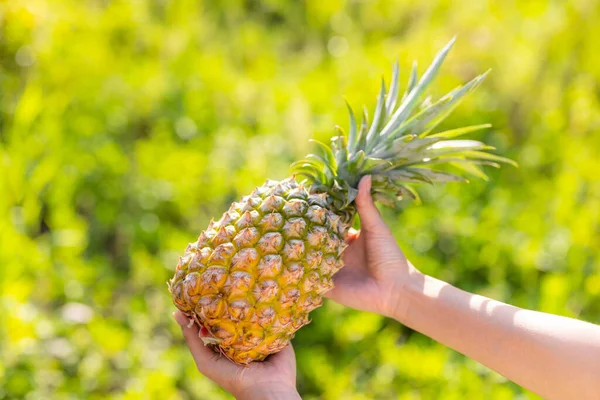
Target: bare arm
[{"x": 556, "y": 357}]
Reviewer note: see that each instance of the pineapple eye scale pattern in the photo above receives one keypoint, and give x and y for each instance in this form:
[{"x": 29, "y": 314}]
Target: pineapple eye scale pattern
[{"x": 252, "y": 277}]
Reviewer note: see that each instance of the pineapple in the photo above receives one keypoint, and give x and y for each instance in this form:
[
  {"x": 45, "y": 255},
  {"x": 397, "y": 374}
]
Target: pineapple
[{"x": 253, "y": 276}]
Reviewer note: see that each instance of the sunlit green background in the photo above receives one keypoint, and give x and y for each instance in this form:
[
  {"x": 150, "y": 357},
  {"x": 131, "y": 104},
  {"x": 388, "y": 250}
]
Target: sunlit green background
[{"x": 126, "y": 125}]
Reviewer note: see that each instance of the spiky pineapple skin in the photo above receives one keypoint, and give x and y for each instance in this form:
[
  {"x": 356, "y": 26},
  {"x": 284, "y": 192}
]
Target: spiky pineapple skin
[{"x": 252, "y": 277}]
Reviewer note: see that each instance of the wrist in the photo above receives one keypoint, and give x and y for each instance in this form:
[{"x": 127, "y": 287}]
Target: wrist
[
  {"x": 405, "y": 289},
  {"x": 269, "y": 391}
]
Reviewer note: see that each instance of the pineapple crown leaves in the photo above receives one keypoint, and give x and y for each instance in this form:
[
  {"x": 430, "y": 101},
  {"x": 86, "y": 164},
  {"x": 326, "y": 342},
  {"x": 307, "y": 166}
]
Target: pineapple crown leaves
[{"x": 398, "y": 147}]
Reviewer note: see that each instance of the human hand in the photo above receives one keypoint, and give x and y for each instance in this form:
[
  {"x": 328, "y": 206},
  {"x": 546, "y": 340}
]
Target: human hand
[
  {"x": 375, "y": 268},
  {"x": 274, "y": 378}
]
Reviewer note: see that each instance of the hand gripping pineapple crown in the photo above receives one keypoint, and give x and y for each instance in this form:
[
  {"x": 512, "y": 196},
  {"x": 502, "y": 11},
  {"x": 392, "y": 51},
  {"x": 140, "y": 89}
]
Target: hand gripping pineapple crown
[{"x": 253, "y": 276}]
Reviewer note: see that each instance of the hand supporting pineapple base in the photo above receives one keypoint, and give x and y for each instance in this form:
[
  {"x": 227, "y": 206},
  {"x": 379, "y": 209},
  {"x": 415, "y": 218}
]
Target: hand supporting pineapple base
[{"x": 253, "y": 276}]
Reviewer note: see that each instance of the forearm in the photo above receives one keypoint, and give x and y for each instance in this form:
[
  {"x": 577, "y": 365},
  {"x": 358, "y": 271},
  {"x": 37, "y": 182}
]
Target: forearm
[{"x": 553, "y": 356}]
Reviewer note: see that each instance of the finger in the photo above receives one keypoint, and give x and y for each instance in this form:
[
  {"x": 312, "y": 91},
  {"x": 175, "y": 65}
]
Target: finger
[
  {"x": 351, "y": 236},
  {"x": 285, "y": 356},
  {"x": 370, "y": 219},
  {"x": 343, "y": 281},
  {"x": 208, "y": 362}
]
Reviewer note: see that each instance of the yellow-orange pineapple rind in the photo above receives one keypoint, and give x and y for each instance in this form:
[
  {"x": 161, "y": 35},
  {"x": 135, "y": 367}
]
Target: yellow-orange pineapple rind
[{"x": 253, "y": 276}]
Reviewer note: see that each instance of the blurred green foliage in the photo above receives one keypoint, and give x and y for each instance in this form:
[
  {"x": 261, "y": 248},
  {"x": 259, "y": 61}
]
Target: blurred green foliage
[{"x": 126, "y": 125}]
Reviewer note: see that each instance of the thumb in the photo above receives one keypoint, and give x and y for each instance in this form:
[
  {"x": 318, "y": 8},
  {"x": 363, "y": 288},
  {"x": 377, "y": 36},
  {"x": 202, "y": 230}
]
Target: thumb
[{"x": 370, "y": 219}]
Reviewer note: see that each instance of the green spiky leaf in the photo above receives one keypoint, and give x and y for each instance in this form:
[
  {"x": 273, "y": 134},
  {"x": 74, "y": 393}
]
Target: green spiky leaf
[
  {"x": 379, "y": 110},
  {"x": 352, "y": 141},
  {"x": 408, "y": 105},
  {"x": 399, "y": 147},
  {"x": 392, "y": 97},
  {"x": 449, "y": 134},
  {"x": 327, "y": 152},
  {"x": 412, "y": 80}
]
